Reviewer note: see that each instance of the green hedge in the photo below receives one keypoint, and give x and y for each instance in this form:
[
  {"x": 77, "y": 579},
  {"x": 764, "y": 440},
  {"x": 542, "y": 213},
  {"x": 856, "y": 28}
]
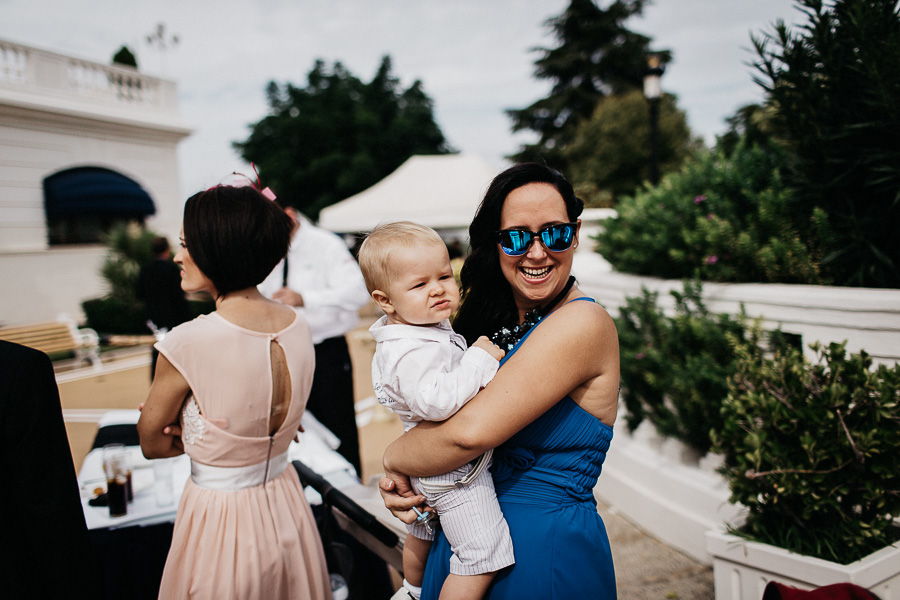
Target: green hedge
[
  {"x": 112, "y": 315},
  {"x": 674, "y": 369},
  {"x": 724, "y": 217},
  {"x": 811, "y": 450}
]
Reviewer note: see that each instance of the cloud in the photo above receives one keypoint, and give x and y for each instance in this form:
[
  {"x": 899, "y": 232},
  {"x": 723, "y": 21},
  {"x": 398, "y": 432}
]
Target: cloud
[{"x": 473, "y": 57}]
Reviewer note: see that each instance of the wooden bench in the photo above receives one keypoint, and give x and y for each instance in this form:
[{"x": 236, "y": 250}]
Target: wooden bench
[{"x": 56, "y": 337}]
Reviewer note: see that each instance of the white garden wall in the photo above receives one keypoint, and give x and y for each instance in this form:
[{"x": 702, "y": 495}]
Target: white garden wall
[
  {"x": 868, "y": 319},
  {"x": 656, "y": 483}
]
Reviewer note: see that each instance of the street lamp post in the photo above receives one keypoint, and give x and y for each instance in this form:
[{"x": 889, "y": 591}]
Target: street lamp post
[{"x": 653, "y": 92}]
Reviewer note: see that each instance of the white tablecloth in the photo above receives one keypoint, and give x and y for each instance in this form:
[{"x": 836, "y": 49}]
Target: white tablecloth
[{"x": 316, "y": 450}]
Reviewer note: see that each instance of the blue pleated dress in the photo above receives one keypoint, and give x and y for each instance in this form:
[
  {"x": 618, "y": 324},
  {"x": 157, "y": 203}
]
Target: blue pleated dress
[{"x": 544, "y": 476}]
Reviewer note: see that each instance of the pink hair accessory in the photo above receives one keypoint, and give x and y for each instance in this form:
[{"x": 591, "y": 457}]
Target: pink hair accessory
[
  {"x": 244, "y": 180},
  {"x": 266, "y": 191}
]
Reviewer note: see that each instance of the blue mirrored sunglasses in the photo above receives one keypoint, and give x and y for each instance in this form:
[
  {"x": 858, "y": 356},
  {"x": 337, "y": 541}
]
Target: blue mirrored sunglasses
[{"x": 556, "y": 238}]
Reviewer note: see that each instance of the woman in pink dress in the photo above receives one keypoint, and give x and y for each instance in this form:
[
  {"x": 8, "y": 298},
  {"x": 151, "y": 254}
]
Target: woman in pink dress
[{"x": 236, "y": 382}]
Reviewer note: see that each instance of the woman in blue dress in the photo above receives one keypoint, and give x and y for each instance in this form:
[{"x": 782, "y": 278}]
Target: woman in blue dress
[{"x": 550, "y": 409}]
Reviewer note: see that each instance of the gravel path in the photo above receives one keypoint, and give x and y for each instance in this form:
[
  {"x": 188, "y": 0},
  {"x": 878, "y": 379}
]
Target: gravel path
[{"x": 647, "y": 569}]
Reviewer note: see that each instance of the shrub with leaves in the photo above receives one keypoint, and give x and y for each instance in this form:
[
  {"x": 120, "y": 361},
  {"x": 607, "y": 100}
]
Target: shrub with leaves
[
  {"x": 724, "y": 217},
  {"x": 811, "y": 450},
  {"x": 674, "y": 368},
  {"x": 609, "y": 149},
  {"x": 833, "y": 85},
  {"x": 129, "y": 248},
  {"x": 120, "y": 311}
]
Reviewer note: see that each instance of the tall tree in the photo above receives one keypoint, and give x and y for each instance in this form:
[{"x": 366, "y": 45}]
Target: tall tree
[
  {"x": 338, "y": 135},
  {"x": 596, "y": 56},
  {"x": 833, "y": 84},
  {"x": 609, "y": 153}
]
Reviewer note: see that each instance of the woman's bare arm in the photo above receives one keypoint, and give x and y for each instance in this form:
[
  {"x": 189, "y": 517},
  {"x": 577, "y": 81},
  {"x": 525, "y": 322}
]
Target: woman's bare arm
[
  {"x": 163, "y": 404},
  {"x": 577, "y": 343}
]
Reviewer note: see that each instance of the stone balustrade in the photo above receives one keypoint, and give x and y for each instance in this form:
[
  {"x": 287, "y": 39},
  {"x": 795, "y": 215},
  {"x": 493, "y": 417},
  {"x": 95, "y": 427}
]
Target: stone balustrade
[{"x": 29, "y": 73}]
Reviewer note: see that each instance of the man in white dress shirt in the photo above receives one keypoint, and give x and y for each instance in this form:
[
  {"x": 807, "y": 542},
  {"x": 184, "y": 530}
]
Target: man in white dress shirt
[{"x": 321, "y": 279}]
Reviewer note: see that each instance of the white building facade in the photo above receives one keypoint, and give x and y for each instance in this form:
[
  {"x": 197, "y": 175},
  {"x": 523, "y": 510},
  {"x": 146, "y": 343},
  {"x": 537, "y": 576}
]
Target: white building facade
[{"x": 61, "y": 115}]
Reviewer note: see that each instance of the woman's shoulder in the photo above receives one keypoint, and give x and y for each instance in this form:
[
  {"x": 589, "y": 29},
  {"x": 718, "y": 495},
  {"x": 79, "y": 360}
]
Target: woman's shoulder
[
  {"x": 578, "y": 326},
  {"x": 189, "y": 328},
  {"x": 198, "y": 328},
  {"x": 584, "y": 311}
]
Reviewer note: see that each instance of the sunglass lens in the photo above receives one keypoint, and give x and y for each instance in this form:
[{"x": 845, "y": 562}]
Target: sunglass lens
[
  {"x": 515, "y": 242},
  {"x": 558, "y": 237}
]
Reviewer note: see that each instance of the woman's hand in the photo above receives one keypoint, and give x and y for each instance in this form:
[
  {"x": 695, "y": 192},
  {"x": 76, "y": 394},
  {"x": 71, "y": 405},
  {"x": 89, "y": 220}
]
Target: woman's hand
[
  {"x": 174, "y": 429},
  {"x": 399, "y": 497}
]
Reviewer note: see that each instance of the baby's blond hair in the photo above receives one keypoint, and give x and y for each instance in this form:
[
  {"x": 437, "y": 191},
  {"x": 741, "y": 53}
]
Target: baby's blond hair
[{"x": 375, "y": 252}]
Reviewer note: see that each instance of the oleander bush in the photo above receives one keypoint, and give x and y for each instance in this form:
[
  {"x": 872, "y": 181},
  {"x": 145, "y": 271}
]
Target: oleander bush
[
  {"x": 811, "y": 450},
  {"x": 812, "y": 195},
  {"x": 724, "y": 217},
  {"x": 833, "y": 83},
  {"x": 674, "y": 368}
]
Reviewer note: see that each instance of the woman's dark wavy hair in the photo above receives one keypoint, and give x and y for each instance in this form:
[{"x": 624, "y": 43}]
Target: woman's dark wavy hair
[
  {"x": 487, "y": 300},
  {"x": 235, "y": 236}
]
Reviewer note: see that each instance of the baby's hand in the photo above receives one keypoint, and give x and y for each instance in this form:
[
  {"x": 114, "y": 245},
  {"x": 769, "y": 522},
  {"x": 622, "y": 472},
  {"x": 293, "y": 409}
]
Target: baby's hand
[{"x": 489, "y": 347}]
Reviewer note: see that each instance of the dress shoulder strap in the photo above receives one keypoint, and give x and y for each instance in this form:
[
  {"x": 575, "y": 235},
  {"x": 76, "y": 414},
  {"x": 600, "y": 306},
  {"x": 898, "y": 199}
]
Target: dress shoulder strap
[{"x": 524, "y": 337}]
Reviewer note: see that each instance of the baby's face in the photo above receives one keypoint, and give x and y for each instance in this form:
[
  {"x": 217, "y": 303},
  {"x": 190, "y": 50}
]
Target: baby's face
[{"x": 422, "y": 290}]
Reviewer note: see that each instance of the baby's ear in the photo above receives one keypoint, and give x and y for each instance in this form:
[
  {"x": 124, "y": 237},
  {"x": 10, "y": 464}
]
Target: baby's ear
[{"x": 383, "y": 302}]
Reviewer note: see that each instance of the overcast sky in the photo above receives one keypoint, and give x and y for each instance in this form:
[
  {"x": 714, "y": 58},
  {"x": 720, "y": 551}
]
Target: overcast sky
[{"x": 473, "y": 56}]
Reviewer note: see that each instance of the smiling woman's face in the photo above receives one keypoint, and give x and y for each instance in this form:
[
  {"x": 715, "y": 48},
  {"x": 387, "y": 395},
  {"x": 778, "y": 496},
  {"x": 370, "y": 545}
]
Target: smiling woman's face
[{"x": 538, "y": 275}]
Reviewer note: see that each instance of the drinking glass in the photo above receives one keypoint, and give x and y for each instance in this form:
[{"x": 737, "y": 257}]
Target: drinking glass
[{"x": 116, "y": 468}]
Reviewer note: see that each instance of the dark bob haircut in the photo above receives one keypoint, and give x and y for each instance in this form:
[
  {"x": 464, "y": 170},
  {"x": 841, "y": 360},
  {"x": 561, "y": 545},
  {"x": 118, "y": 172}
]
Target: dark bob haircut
[
  {"x": 235, "y": 236},
  {"x": 487, "y": 300}
]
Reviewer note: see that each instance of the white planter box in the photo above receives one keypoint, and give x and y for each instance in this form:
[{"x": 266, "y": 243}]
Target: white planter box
[
  {"x": 868, "y": 319},
  {"x": 660, "y": 485},
  {"x": 743, "y": 568}
]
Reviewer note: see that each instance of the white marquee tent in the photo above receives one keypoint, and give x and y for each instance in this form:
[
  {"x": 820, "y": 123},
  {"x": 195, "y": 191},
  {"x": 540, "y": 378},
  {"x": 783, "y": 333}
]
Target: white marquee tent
[{"x": 440, "y": 191}]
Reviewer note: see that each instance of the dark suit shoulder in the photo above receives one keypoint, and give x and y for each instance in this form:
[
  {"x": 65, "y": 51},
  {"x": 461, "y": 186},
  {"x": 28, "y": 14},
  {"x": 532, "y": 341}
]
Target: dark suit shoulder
[{"x": 14, "y": 357}]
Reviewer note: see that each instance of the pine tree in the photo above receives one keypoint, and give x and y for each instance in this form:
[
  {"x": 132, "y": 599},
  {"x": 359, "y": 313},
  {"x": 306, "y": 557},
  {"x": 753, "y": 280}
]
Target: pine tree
[{"x": 596, "y": 56}]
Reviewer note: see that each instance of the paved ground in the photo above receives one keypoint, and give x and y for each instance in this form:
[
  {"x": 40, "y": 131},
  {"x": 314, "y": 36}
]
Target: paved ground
[{"x": 647, "y": 569}]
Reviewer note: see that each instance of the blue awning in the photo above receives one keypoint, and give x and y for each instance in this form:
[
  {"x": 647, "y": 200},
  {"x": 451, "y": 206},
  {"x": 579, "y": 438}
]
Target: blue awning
[{"x": 95, "y": 191}]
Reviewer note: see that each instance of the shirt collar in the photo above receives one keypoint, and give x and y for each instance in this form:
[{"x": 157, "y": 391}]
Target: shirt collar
[{"x": 382, "y": 331}]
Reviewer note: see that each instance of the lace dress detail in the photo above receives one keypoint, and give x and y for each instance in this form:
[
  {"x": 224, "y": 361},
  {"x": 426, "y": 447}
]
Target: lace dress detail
[{"x": 192, "y": 425}]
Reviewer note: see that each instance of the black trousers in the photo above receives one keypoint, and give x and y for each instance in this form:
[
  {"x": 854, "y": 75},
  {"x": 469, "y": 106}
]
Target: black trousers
[{"x": 331, "y": 397}]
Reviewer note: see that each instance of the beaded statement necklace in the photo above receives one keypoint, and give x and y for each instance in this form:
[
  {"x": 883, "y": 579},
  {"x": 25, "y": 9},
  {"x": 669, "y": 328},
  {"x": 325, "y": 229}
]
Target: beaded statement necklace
[{"x": 508, "y": 337}]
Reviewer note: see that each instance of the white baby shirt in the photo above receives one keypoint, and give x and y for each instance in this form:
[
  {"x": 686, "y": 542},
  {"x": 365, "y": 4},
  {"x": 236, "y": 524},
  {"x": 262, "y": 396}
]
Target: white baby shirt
[{"x": 425, "y": 373}]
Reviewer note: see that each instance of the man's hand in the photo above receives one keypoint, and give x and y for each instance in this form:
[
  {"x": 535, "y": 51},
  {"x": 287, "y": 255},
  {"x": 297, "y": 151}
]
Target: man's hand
[{"x": 288, "y": 296}]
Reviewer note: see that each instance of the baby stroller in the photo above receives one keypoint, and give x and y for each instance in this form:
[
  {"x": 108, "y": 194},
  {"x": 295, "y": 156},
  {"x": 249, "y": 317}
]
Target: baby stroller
[{"x": 357, "y": 545}]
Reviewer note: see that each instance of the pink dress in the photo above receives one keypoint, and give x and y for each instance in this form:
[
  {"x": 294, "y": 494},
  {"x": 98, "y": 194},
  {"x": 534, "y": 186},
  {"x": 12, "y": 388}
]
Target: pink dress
[{"x": 244, "y": 528}]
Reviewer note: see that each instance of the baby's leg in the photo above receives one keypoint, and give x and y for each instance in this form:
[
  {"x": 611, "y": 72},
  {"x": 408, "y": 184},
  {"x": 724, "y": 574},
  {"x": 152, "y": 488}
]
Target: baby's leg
[
  {"x": 478, "y": 535},
  {"x": 415, "y": 553},
  {"x": 466, "y": 587}
]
